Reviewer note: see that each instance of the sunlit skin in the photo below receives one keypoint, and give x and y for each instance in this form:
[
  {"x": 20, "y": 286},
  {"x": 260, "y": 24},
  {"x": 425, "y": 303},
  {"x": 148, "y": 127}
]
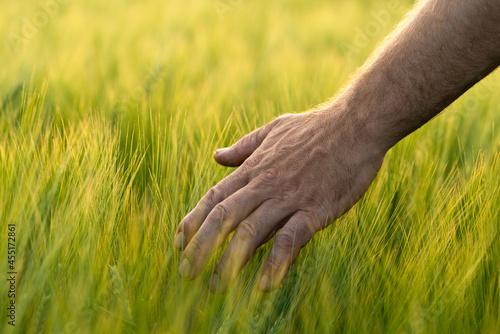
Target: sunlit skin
[{"x": 300, "y": 172}]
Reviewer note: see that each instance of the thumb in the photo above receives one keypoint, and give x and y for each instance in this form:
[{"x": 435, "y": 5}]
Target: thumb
[{"x": 237, "y": 153}]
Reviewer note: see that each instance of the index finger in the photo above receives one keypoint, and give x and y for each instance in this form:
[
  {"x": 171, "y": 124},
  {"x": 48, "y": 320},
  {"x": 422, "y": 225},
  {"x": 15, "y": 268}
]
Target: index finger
[{"x": 193, "y": 220}]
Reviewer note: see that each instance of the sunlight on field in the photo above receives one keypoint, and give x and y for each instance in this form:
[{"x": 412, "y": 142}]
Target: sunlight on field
[{"x": 109, "y": 114}]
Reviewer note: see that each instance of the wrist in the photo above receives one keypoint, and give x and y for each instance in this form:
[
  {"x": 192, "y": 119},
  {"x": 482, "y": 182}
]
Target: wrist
[
  {"x": 347, "y": 123},
  {"x": 379, "y": 110}
]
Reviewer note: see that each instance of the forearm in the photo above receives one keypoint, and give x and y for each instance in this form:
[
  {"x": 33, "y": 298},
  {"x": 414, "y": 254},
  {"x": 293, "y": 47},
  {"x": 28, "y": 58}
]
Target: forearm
[{"x": 439, "y": 52}]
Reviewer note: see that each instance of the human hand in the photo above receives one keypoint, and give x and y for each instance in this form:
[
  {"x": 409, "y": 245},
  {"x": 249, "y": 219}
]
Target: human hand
[{"x": 297, "y": 174}]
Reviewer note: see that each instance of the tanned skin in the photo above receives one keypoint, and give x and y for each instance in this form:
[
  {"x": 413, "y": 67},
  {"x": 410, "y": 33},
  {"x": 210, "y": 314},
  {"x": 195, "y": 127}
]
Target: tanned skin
[{"x": 300, "y": 172}]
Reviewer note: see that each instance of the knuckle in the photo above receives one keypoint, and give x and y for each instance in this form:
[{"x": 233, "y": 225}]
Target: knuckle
[
  {"x": 253, "y": 139},
  {"x": 289, "y": 191},
  {"x": 252, "y": 161},
  {"x": 241, "y": 175},
  {"x": 285, "y": 241},
  {"x": 306, "y": 231},
  {"x": 263, "y": 132},
  {"x": 219, "y": 213},
  {"x": 196, "y": 244},
  {"x": 223, "y": 263},
  {"x": 269, "y": 176},
  {"x": 181, "y": 226},
  {"x": 186, "y": 226},
  {"x": 249, "y": 140},
  {"x": 313, "y": 202},
  {"x": 246, "y": 231},
  {"x": 214, "y": 196},
  {"x": 274, "y": 262}
]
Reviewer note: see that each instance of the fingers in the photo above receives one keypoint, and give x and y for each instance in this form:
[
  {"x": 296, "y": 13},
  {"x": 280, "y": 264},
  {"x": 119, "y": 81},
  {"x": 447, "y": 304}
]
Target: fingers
[
  {"x": 296, "y": 233},
  {"x": 223, "y": 219},
  {"x": 192, "y": 222},
  {"x": 248, "y": 236},
  {"x": 239, "y": 152}
]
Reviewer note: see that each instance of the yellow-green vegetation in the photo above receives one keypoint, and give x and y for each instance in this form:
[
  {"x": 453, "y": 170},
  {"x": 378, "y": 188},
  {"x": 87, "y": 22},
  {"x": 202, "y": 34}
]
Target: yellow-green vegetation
[{"x": 109, "y": 114}]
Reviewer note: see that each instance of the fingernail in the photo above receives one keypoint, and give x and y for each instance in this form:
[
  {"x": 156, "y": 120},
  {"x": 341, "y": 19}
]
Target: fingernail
[
  {"x": 185, "y": 269},
  {"x": 264, "y": 283},
  {"x": 214, "y": 282},
  {"x": 179, "y": 241},
  {"x": 221, "y": 150}
]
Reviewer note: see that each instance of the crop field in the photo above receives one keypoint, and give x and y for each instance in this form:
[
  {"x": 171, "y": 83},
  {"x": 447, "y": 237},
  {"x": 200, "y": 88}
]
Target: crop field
[{"x": 109, "y": 114}]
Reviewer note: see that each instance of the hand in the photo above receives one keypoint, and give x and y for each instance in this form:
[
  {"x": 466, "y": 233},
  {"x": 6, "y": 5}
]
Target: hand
[{"x": 297, "y": 174}]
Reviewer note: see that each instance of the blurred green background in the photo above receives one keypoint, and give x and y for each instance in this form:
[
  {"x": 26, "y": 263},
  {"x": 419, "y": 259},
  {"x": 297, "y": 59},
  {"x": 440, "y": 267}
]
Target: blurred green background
[{"x": 109, "y": 114}]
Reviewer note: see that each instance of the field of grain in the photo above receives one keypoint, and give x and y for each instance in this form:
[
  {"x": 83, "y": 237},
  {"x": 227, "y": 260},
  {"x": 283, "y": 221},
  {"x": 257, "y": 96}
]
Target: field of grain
[{"x": 109, "y": 114}]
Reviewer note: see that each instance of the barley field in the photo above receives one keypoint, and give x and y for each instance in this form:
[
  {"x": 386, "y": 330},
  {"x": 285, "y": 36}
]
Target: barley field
[{"x": 109, "y": 114}]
